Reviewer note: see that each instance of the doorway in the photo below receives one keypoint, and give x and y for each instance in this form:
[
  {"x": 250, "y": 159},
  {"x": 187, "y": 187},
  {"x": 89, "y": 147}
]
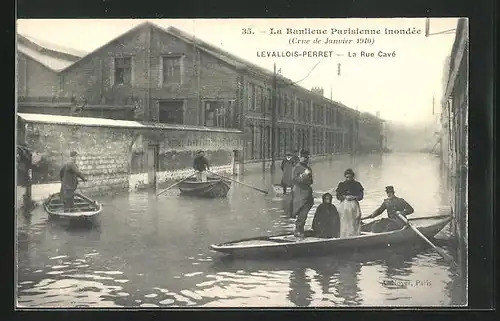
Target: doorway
[{"x": 153, "y": 164}]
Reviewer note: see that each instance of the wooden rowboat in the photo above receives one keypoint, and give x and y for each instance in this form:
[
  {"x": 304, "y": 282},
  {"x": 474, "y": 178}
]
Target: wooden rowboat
[
  {"x": 287, "y": 244},
  {"x": 212, "y": 188},
  {"x": 83, "y": 207}
]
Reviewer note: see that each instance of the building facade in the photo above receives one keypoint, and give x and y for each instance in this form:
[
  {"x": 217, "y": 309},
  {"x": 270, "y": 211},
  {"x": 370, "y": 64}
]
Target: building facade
[
  {"x": 454, "y": 130},
  {"x": 168, "y": 76}
]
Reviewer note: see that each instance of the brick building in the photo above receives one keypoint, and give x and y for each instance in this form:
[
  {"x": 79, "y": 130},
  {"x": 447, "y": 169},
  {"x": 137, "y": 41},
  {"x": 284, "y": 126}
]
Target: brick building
[{"x": 167, "y": 76}]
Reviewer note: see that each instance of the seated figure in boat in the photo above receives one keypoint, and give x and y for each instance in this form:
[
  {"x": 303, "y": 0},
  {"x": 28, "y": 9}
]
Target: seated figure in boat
[
  {"x": 326, "y": 222},
  {"x": 287, "y": 166},
  {"x": 69, "y": 175},
  {"x": 394, "y": 205},
  {"x": 201, "y": 165},
  {"x": 349, "y": 193}
]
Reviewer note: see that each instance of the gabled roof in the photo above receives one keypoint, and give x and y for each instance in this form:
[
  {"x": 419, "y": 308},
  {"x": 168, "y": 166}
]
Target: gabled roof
[
  {"x": 53, "y": 63},
  {"x": 217, "y": 52},
  {"x": 70, "y": 53},
  {"x": 55, "y": 60}
]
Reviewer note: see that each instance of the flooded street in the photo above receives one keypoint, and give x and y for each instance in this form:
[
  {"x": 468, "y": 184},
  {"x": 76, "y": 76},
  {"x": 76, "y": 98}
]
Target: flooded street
[{"x": 154, "y": 251}]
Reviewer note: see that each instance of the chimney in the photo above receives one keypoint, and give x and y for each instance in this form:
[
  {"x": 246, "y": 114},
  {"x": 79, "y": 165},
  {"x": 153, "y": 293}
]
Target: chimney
[
  {"x": 318, "y": 90},
  {"x": 377, "y": 114}
]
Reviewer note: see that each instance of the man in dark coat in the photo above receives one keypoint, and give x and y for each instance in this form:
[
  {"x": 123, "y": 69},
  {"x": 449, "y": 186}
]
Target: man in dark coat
[
  {"x": 302, "y": 195},
  {"x": 295, "y": 157},
  {"x": 287, "y": 166},
  {"x": 326, "y": 222},
  {"x": 69, "y": 175},
  {"x": 201, "y": 165},
  {"x": 394, "y": 205}
]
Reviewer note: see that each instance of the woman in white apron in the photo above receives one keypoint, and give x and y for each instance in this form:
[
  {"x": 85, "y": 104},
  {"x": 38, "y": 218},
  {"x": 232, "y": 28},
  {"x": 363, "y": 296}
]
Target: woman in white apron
[{"x": 349, "y": 193}]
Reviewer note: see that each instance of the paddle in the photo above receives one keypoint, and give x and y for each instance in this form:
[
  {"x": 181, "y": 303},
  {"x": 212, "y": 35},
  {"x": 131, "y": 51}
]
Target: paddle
[
  {"x": 440, "y": 251},
  {"x": 255, "y": 188},
  {"x": 182, "y": 180}
]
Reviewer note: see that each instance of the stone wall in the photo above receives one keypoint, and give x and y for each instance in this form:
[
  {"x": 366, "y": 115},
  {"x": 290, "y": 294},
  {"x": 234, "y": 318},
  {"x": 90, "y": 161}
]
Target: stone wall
[{"x": 114, "y": 157}]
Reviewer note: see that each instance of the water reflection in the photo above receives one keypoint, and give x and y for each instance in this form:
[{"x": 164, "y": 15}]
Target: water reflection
[{"x": 300, "y": 293}]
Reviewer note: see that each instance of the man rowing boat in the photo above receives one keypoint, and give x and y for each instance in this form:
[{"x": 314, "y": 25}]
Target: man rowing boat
[
  {"x": 201, "y": 165},
  {"x": 302, "y": 195},
  {"x": 69, "y": 175},
  {"x": 394, "y": 206}
]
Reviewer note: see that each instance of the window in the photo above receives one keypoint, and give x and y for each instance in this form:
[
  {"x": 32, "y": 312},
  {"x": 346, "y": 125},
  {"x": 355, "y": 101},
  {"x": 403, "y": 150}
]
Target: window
[
  {"x": 171, "y": 70},
  {"x": 171, "y": 112},
  {"x": 219, "y": 114},
  {"x": 251, "y": 96},
  {"x": 269, "y": 99},
  {"x": 286, "y": 103},
  {"x": 122, "y": 71},
  {"x": 259, "y": 98}
]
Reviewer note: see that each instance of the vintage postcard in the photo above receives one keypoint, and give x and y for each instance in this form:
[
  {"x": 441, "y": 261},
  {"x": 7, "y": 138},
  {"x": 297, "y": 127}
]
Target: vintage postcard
[{"x": 174, "y": 163}]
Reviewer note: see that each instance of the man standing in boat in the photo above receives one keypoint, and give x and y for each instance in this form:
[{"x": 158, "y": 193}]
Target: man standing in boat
[
  {"x": 287, "y": 166},
  {"x": 201, "y": 165},
  {"x": 69, "y": 175},
  {"x": 394, "y": 206},
  {"x": 302, "y": 194}
]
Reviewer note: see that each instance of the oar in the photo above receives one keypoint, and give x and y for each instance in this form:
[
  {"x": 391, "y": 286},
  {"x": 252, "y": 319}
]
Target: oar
[
  {"x": 255, "y": 188},
  {"x": 182, "y": 180},
  {"x": 441, "y": 252}
]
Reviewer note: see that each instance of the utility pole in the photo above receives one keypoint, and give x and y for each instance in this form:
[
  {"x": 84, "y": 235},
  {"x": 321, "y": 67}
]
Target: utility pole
[{"x": 273, "y": 122}]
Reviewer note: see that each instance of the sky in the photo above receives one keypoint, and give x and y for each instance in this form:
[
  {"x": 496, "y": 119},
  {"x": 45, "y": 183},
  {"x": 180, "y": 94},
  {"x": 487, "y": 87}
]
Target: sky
[{"x": 401, "y": 88}]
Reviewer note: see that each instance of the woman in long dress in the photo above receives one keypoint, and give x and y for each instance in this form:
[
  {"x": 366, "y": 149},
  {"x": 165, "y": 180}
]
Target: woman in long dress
[{"x": 349, "y": 193}]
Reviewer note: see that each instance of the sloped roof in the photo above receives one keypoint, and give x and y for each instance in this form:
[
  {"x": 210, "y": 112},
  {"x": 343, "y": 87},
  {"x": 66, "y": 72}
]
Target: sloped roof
[
  {"x": 214, "y": 51},
  {"x": 105, "y": 122},
  {"x": 51, "y": 56},
  {"x": 77, "y": 54},
  {"x": 51, "y": 62}
]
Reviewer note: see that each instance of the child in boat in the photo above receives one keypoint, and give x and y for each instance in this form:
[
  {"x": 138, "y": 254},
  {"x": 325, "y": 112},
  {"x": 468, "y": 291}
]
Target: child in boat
[{"x": 326, "y": 222}]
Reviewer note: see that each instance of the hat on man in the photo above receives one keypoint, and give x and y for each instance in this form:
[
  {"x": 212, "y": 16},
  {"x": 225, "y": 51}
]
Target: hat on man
[
  {"x": 73, "y": 154},
  {"x": 288, "y": 154},
  {"x": 304, "y": 153},
  {"x": 349, "y": 171},
  {"x": 389, "y": 188},
  {"x": 200, "y": 151}
]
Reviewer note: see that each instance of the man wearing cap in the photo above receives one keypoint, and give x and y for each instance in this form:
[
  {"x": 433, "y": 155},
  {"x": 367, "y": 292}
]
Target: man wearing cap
[
  {"x": 302, "y": 195},
  {"x": 287, "y": 166},
  {"x": 201, "y": 165},
  {"x": 394, "y": 206},
  {"x": 69, "y": 175}
]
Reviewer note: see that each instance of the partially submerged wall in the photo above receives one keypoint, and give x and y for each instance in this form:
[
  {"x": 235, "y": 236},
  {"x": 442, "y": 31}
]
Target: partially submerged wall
[{"x": 118, "y": 155}]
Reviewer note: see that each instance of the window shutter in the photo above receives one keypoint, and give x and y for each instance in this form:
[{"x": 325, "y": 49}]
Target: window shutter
[
  {"x": 132, "y": 71},
  {"x": 181, "y": 68},
  {"x": 160, "y": 78},
  {"x": 112, "y": 73}
]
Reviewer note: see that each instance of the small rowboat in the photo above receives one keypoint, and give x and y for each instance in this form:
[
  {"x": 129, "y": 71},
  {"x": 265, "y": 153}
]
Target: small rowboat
[
  {"x": 83, "y": 207},
  {"x": 212, "y": 188},
  {"x": 287, "y": 244}
]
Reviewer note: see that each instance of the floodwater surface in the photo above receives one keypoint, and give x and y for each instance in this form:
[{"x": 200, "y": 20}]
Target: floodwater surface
[{"x": 153, "y": 251}]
